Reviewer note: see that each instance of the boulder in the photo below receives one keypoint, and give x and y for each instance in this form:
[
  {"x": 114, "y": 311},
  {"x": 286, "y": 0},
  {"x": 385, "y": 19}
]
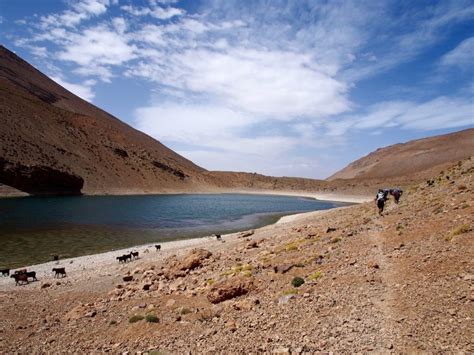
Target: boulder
[
  {"x": 246, "y": 234},
  {"x": 229, "y": 289},
  {"x": 283, "y": 268},
  {"x": 194, "y": 259}
]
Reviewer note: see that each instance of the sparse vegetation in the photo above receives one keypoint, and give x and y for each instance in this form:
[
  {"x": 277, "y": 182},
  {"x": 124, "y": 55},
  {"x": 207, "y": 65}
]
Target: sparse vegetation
[
  {"x": 113, "y": 322},
  {"x": 461, "y": 229},
  {"x": 151, "y": 318},
  {"x": 290, "y": 292},
  {"x": 136, "y": 318},
  {"x": 314, "y": 276},
  {"x": 297, "y": 282}
]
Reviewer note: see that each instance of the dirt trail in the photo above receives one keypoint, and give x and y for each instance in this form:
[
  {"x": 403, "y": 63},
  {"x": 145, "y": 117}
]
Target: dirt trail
[{"x": 384, "y": 293}]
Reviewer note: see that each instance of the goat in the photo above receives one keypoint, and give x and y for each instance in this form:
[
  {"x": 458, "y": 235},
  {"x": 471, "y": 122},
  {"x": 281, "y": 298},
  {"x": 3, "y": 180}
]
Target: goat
[
  {"x": 122, "y": 259},
  {"x": 128, "y": 257},
  {"x": 5, "y": 272},
  {"x": 23, "y": 278},
  {"x": 134, "y": 254},
  {"x": 158, "y": 247},
  {"x": 59, "y": 271},
  {"x": 31, "y": 274},
  {"x": 218, "y": 236}
]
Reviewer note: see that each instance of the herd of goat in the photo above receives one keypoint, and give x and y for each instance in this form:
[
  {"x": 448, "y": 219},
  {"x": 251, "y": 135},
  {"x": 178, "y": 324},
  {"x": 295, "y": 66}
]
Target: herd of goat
[{"x": 22, "y": 277}]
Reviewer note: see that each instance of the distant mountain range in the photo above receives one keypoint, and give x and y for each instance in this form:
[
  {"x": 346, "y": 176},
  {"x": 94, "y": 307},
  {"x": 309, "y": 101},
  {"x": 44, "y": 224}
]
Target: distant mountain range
[{"x": 53, "y": 142}]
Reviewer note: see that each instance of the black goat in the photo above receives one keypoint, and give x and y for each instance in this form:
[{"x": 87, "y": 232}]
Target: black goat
[
  {"x": 59, "y": 271},
  {"x": 5, "y": 272},
  {"x": 134, "y": 254},
  {"x": 158, "y": 247},
  {"x": 121, "y": 259},
  {"x": 31, "y": 274}
]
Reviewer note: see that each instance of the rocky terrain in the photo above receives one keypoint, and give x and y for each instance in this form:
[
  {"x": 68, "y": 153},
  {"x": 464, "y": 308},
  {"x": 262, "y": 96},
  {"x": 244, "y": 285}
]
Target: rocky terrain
[{"x": 344, "y": 280}]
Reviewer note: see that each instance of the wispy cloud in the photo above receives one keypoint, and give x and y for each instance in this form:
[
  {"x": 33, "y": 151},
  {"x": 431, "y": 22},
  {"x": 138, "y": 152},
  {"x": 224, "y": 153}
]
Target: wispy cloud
[
  {"x": 439, "y": 113},
  {"x": 80, "y": 10},
  {"x": 461, "y": 56}
]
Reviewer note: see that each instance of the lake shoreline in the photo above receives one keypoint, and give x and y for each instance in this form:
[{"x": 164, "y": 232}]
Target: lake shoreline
[{"x": 88, "y": 265}]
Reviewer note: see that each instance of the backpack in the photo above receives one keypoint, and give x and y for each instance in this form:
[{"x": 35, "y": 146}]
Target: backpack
[{"x": 380, "y": 196}]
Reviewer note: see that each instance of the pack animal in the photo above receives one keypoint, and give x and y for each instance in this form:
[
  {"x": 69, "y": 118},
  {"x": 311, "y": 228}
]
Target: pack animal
[{"x": 59, "y": 271}]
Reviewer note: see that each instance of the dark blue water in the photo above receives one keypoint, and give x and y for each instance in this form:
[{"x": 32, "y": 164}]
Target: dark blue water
[{"x": 34, "y": 228}]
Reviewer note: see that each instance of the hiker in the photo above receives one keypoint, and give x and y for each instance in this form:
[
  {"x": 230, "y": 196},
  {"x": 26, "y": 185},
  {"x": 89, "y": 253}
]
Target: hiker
[
  {"x": 380, "y": 201},
  {"x": 396, "y": 193}
]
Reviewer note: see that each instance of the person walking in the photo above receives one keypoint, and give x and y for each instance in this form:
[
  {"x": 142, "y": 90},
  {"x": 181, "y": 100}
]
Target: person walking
[{"x": 380, "y": 201}]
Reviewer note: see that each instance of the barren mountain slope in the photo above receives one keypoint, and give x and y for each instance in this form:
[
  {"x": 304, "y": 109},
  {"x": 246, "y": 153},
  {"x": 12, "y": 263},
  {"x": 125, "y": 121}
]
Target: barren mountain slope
[
  {"x": 418, "y": 158},
  {"x": 49, "y": 135}
]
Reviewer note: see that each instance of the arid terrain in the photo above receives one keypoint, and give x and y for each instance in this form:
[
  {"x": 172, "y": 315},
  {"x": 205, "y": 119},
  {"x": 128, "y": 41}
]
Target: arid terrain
[{"x": 403, "y": 282}]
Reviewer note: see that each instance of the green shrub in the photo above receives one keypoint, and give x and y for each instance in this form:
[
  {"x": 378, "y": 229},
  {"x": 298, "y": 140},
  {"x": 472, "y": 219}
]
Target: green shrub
[
  {"x": 297, "y": 282},
  {"x": 135, "y": 318},
  {"x": 151, "y": 318}
]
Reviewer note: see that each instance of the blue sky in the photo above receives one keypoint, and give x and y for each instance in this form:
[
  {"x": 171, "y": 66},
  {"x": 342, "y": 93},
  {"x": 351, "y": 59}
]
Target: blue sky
[{"x": 285, "y": 88}]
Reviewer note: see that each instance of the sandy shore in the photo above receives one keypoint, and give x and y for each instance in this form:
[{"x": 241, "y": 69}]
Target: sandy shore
[{"x": 105, "y": 264}]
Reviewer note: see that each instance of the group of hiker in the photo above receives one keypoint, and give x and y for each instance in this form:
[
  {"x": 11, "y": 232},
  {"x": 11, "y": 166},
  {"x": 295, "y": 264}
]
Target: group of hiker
[{"x": 382, "y": 197}]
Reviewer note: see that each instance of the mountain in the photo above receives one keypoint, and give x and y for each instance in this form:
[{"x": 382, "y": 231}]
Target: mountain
[
  {"x": 415, "y": 159},
  {"x": 54, "y": 142}
]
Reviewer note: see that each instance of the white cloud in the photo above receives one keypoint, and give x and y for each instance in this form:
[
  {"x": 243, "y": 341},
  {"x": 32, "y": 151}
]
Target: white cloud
[
  {"x": 462, "y": 55},
  {"x": 83, "y": 90},
  {"x": 81, "y": 10},
  {"x": 97, "y": 46},
  {"x": 276, "y": 84},
  {"x": 166, "y": 13},
  {"x": 162, "y": 13}
]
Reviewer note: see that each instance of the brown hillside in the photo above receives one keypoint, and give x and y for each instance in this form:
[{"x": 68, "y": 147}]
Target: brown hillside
[
  {"x": 418, "y": 158},
  {"x": 49, "y": 132}
]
